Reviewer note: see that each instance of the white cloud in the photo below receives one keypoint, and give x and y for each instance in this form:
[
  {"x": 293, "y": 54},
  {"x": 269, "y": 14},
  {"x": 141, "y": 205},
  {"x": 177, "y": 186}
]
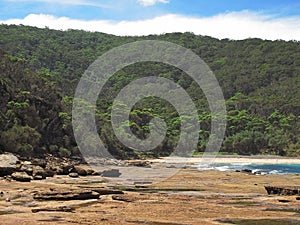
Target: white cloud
[
  {"x": 67, "y": 2},
  {"x": 151, "y": 2},
  {"x": 234, "y": 25}
]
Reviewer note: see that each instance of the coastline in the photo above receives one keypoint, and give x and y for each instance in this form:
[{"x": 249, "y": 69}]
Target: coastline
[
  {"x": 187, "y": 196},
  {"x": 230, "y": 159},
  {"x": 256, "y": 160}
]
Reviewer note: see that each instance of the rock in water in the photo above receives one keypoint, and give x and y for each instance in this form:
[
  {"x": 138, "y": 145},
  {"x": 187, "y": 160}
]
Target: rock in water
[
  {"x": 8, "y": 164},
  {"x": 247, "y": 171},
  {"x": 21, "y": 176},
  {"x": 111, "y": 173}
]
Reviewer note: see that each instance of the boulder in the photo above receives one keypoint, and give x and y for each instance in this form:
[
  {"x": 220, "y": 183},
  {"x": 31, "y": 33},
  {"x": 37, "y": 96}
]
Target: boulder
[
  {"x": 139, "y": 163},
  {"x": 246, "y": 171},
  {"x": 80, "y": 170},
  {"x": 37, "y": 177},
  {"x": 49, "y": 172},
  {"x": 111, "y": 173},
  {"x": 21, "y": 176},
  {"x": 8, "y": 164},
  {"x": 73, "y": 175},
  {"x": 67, "y": 168},
  {"x": 27, "y": 168},
  {"x": 39, "y": 162},
  {"x": 39, "y": 172},
  {"x": 96, "y": 173},
  {"x": 58, "y": 170},
  {"x": 90, "y": 172},
  {"x": 260, "y": 172}
]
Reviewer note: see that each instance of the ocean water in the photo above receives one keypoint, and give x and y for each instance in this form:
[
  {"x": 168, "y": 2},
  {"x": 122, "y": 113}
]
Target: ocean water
[{"x": 264, "y": 168}]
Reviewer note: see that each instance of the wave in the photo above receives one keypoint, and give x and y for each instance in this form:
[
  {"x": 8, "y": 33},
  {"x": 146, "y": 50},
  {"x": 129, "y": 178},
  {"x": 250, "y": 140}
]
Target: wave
[{"x": 254, "y": 168}]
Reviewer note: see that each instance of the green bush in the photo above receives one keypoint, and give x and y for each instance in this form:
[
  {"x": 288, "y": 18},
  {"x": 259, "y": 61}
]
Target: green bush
[
  {"x": 63, "y": 152},
  {"x": 20, "y": 139}
]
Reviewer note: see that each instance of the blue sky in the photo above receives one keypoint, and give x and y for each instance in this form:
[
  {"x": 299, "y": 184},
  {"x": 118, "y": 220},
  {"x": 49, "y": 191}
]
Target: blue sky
[
  {"x": 140, "y": 17},
  {"x": 134, "y": 9}
]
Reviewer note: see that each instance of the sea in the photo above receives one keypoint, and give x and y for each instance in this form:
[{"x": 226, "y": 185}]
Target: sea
[{"x": 255, "y": 168}]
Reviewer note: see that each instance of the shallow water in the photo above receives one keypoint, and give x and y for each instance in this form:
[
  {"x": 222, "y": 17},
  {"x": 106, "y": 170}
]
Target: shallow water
[{"x": 267, "y": 168}]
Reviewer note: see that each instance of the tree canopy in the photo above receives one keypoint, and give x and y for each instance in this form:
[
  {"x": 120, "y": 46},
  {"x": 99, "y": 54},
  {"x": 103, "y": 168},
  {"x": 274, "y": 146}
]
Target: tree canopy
[{"x": 40, "y": 69}]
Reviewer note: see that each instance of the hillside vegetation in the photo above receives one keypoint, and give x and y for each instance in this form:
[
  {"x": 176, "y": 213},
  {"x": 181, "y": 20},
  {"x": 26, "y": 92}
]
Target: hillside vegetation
[{"x": 40, "y": 69}]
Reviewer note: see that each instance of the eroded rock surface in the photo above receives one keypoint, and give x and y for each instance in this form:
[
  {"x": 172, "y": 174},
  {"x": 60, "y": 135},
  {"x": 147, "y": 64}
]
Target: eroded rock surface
[
  {"x": 21, "y": 176},
  {"x": 66, "y": 195},
  {"x": 287, "y": 191},
  {"x": 8, "y": 164}
]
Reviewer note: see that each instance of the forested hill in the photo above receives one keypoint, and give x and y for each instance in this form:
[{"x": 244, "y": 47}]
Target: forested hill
[{"x": 41, "y": 67}]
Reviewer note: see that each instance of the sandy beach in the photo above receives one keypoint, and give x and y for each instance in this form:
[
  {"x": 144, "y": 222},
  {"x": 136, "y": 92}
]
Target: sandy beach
[
  {"x": 226, "y": 159},
  {"x": 257, "y": 160}
]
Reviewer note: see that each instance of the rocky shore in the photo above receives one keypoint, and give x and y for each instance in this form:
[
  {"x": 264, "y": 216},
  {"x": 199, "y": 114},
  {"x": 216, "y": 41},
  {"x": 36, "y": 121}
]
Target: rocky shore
[
  {"x": 25, "y": 170},
  {"x": 106, "y": 197}
]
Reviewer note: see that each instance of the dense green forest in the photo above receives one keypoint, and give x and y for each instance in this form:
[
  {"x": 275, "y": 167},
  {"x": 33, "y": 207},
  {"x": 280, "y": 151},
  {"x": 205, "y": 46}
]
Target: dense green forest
[{"x": 40, "y": 69}]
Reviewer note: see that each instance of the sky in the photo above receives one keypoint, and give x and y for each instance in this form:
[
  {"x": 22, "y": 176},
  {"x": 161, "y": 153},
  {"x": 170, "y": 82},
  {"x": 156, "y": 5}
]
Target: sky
[{"x": 233, "y": 19}]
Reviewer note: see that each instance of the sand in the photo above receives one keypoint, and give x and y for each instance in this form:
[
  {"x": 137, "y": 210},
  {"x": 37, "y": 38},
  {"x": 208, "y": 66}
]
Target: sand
[{"x": 230, "y": 159}]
